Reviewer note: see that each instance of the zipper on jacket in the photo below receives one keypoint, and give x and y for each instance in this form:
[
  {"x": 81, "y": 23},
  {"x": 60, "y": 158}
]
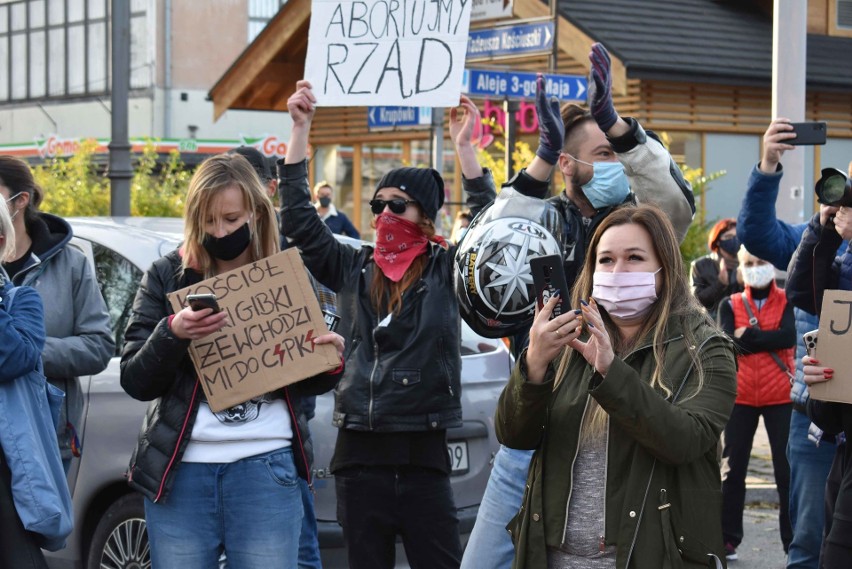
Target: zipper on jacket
[
  {"x": 573, "y": 461},
  {"x": 308, "y": 478},
  {"x": 641, "y": 513},
  {"x": 177, "y": 445},
  {"x": 602, "y": 544},
  {"x": 372, "y": 376}
]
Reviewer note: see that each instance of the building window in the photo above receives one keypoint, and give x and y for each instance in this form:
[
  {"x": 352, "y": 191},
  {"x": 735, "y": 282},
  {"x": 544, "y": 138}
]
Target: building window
[
  {"x": 53, "y": 49},
  {"x": 260, "y": 12},
  {"x": 844, "y": 14}
]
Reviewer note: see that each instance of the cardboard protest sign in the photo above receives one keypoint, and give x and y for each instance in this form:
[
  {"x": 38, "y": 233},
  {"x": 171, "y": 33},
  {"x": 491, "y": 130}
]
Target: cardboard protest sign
[
  {"x": 274, "y": 318},
  {"x": 387, "y": 52},
  {"x": 832, "y": 350}
]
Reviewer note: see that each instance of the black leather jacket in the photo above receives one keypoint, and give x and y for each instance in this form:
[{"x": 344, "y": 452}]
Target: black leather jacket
[
  {"x": 403, "y": 375},
  {"x": 156, "y": 367}
]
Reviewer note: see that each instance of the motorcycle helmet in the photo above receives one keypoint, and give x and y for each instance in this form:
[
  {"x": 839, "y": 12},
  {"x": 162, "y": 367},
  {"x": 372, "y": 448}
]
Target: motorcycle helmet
[{"x": 494, "y": 284}]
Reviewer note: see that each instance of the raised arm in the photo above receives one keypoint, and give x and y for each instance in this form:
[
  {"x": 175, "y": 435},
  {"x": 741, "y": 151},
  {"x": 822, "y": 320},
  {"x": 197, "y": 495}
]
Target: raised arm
[
  {"x": 326, "y": 258},
  {"x": 758, "y": 226}
]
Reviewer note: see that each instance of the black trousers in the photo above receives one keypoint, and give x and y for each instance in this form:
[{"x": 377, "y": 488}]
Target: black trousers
[
  {"x": 377, "y": 503},
  {"x": 739, "y": 435},
  {"x": 18, "y": 549}
]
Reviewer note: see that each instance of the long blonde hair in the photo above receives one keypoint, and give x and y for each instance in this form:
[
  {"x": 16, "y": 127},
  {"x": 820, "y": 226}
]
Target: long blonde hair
[
  {"x": 212, "y": 177},
  {"x": 674, "y": 299}
]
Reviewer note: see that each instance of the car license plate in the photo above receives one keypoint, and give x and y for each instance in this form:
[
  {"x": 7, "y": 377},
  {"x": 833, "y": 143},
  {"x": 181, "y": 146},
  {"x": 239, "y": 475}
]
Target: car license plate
[{"x": 458, "y": 457}]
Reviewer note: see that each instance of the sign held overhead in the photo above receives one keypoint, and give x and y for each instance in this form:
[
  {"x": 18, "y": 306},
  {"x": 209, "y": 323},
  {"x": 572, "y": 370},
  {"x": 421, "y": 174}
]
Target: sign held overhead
[
  {"x": 390, "y": 52},
  {"x": 832, "y": 350}
]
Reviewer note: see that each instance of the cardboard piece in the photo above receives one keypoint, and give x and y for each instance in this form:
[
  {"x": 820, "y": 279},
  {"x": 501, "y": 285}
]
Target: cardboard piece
[
  {"x": 274, "y": 317},
  {"x": 375, "y": 52},
  {"x": 832, "y": 349}
]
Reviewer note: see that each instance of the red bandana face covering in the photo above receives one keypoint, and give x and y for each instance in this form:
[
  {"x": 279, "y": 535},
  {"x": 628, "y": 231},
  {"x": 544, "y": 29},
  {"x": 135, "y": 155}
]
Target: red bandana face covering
[{"x": 398, "y": 243}]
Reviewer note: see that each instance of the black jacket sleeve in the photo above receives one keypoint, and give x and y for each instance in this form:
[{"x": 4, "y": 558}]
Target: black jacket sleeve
[
  {"x": 152, "y": 354},
  {"x": 811, "y": 269},
  {"x": 755, "y": 340}
]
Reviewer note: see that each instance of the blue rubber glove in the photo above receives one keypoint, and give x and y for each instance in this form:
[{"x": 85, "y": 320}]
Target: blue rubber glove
[
  {"x": 600, "y": 88},
  {"x": 551, "y": 129}
]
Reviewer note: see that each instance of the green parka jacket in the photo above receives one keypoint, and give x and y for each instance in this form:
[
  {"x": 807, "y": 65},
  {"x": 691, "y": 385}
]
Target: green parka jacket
[{"x": 663, "y": 486}]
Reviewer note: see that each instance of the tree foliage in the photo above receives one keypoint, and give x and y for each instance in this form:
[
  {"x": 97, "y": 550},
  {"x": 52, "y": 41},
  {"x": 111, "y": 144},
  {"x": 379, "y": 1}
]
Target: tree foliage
[{"x": 76, "y": 186}]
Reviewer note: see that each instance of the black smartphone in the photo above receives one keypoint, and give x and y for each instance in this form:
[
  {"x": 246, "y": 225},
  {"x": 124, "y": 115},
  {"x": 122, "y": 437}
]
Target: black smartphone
[
  {"x": 810, "y": 340},
  {"x": 808, "y": 133},
  {"x": 549, "y": 279},
  {"x": 201, "y": 301}
]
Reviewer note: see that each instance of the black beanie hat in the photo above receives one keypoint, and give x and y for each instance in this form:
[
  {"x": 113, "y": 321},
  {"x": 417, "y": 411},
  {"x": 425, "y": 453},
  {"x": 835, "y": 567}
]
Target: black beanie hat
[{"x": 425, "y": 185}]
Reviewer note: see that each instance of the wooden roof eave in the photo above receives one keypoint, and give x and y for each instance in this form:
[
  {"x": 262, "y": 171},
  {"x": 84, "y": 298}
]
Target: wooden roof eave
[
  {"x": 573, "y": 41},
  {"x": 276, "y": 57}
]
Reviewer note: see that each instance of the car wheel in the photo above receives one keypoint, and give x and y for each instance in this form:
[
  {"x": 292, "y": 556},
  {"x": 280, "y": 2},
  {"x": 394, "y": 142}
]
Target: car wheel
[{"x": 120, "y": 540}]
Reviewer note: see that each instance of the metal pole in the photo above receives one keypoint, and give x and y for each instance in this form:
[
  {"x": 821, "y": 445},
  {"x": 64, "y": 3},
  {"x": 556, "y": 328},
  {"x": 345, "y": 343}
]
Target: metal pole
[
  {"x": 438, "y": 139},
  {"x": 552, "y": 59},
  {"x": 120, "y": 168},
  {"x": 789, "y": 66},
  {"x": 510, "y": 107}
]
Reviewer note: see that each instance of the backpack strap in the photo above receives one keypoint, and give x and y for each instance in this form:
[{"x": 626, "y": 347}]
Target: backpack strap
[{"x": 752, "y": 320}]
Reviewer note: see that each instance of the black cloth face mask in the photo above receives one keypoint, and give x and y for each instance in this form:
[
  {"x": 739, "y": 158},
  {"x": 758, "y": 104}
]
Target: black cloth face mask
[
  {"x": 730, "y": 245},
  {"x": 230, "y": 246},
  {"x": 325, "y": 201}
]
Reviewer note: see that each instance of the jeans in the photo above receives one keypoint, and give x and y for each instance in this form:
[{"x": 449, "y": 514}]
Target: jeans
[
  {"x": 739, "y": 435},
  {"x": 309, "y": 554},
  {"x": 377, "y": 503},
  {"x": 251, "y": 509},
  {"x": 490, "y": 546},
  {"x": 809, "y": 466}
]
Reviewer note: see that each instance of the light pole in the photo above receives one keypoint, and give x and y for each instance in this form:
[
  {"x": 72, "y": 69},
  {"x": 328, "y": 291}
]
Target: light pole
[{"x": 120, "y": 168}]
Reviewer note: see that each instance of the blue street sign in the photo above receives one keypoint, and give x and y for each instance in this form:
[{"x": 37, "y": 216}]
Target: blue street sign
[
  {"x": 510, "y": 40},
  {"x": 390, "y": 117},
  {"x": 519, "y": 85}
]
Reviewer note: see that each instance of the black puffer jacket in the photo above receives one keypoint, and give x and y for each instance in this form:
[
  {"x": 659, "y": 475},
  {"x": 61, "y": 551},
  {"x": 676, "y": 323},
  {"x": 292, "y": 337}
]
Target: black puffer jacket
[
  {"x": 403, "y": 375},
  {"x": 156, "y": 367}
]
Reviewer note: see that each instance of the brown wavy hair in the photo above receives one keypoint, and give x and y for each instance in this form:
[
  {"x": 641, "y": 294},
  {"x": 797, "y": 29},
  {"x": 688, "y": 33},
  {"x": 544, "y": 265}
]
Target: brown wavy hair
[
  {"x": 385, "y": 294},
  {"x": 674, "y": 299}
]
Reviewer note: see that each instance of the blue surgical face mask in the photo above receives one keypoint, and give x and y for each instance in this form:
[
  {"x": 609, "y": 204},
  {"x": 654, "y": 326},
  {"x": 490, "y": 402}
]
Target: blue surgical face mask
[{"x": 608, "y": 186}]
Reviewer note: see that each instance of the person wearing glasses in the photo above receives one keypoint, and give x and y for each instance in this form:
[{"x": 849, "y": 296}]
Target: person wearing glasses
[{"x": 401, "y": 388}]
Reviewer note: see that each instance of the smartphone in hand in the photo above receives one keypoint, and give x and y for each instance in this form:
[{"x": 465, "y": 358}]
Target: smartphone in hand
[
  {"x": 548, "y": 280},
  {"x": 201, "y": 301},
  {"x": 808, "y": 133},
  {"x": 810, "y": 340}
]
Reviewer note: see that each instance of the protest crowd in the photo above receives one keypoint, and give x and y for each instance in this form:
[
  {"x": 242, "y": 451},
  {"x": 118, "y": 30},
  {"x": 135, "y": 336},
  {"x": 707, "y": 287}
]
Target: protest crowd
[{"x": 625, "y": 428}]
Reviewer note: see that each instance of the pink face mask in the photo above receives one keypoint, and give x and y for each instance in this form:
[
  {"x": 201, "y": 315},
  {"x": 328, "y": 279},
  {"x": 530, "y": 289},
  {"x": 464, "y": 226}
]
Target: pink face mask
[{"x": 626, "y": 296}]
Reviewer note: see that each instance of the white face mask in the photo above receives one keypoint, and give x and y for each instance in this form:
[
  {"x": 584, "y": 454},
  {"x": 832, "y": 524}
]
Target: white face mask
[{"x": 760, "y": 276}]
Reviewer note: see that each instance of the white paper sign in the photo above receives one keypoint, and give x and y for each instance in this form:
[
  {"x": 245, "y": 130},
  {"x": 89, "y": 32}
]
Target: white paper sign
[{"x": 387, "y": 52}]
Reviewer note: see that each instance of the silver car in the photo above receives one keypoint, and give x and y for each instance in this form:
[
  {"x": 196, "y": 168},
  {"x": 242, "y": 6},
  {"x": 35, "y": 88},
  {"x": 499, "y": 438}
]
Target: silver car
[{"x": 109, "y": 517}]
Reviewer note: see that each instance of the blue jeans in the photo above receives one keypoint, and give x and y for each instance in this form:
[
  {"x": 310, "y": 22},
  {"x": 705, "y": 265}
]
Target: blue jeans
[
  {"x": 809, "y": 466},
  {"x": 251, "y": 509},
  {"x": 490, "y": 546},
  {"x": 309, "y": 554}
]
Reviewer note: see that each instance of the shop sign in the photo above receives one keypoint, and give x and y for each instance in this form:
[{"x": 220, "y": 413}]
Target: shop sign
[{"x": 520, "y": 39}]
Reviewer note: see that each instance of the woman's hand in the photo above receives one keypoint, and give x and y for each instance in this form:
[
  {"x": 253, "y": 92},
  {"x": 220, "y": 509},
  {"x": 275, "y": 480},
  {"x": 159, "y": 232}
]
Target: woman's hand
[
  {"x": 302, "y": 104},
  {"x": 814, "y": 373},
  {"x": 332, "y": 338},
  {"x": 548, "y": 338},
  {"x": 463, "y": 121},
  {"x": 189, "y": 324},
  {"x": 598, "y": 350}
]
